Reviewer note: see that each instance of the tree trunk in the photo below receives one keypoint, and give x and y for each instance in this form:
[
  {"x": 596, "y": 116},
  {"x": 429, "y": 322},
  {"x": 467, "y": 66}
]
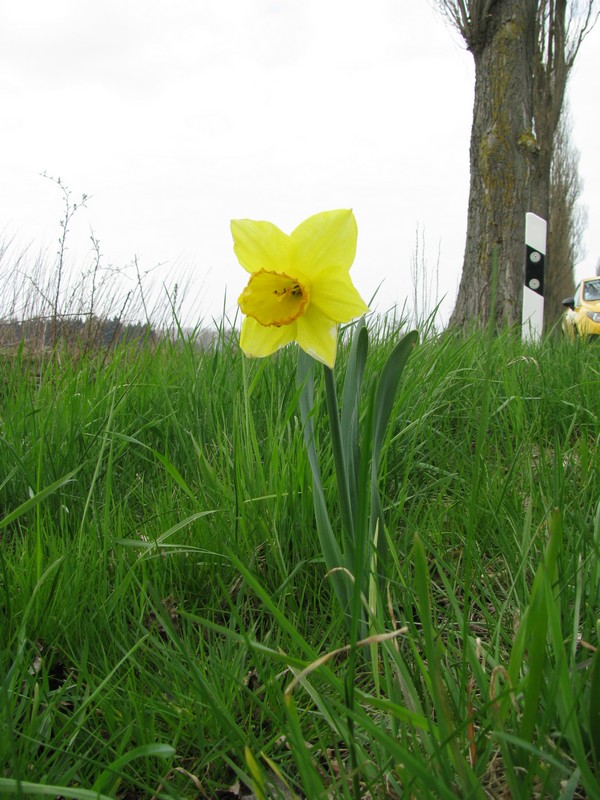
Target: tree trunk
[
  {"x": 551, "y": 71},
  {"x": 500, "y": 154}
]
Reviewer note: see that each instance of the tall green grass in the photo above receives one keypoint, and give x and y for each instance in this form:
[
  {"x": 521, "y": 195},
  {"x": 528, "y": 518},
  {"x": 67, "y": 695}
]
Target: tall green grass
[{"x": 168, "y": 626}]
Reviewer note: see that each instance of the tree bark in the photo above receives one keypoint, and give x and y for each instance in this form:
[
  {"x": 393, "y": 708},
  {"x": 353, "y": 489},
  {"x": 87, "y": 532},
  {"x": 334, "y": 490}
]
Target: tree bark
[
  {"x": 551, "y": 71},
  {"x": 502, "y": 145}
]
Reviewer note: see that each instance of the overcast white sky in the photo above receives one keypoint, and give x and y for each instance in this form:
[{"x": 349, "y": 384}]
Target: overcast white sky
[{"x": 178, "y": 116}]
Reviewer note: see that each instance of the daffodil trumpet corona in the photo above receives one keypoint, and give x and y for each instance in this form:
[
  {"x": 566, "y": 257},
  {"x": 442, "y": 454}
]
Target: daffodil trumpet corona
[{"x": 300, "y": 288}]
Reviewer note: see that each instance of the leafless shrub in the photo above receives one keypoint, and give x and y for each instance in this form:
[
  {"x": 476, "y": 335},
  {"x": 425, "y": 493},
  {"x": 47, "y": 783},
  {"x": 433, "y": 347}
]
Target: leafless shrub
[
  {"x": 425, "y": 282},
  {"x": 47, "y": 302}
]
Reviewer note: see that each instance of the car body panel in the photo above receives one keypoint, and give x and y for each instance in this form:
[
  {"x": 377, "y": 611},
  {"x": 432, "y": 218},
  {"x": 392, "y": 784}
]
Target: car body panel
[{"x": 582, "y": 317}]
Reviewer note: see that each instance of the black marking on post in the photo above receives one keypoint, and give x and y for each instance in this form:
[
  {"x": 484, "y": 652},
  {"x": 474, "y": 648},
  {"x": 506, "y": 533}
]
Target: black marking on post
[{"x": 535, "y": 263}]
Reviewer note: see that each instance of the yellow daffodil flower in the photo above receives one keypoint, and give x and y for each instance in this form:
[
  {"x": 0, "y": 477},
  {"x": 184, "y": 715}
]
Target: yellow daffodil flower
[{"x": 300, "y": 287}]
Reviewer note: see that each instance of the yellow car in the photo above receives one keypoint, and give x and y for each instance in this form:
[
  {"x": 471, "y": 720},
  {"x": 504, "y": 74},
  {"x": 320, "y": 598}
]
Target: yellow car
[{"x": 583, "y": 315}]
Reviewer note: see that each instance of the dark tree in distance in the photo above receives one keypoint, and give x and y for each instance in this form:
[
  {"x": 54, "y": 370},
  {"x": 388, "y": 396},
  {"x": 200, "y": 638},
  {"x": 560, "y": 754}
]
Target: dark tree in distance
[
  {"x": 523, "y": 51},
  {"x": 561, "y": 26},
  {"x": 566, "y": 223}
]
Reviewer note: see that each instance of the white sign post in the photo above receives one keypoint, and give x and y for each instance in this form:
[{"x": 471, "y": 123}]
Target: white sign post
[{"x": 533, "y": 290}]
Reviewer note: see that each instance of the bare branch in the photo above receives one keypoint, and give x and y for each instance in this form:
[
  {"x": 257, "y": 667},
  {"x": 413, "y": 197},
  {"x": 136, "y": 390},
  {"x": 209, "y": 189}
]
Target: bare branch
[
  {"x": 582, "y": 18},
  {"x": 457, "y": 12},
  {"x": 471, "y": 18}
]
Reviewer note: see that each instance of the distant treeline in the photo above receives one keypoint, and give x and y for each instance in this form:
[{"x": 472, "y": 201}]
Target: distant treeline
[
  {"x": 91, "y": 331},
  {"x": 45, "y": 331}
]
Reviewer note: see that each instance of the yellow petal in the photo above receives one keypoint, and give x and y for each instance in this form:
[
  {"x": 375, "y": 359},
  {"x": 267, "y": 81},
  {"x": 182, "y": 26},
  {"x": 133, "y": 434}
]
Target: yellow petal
[
  {"x": 334, "y": 294},
  {"x": 258, "y": 341},
  {"x": 317, "y": 335},
  {"x": 325, "y": 240},
  {"x": 260, "y": 245}
]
